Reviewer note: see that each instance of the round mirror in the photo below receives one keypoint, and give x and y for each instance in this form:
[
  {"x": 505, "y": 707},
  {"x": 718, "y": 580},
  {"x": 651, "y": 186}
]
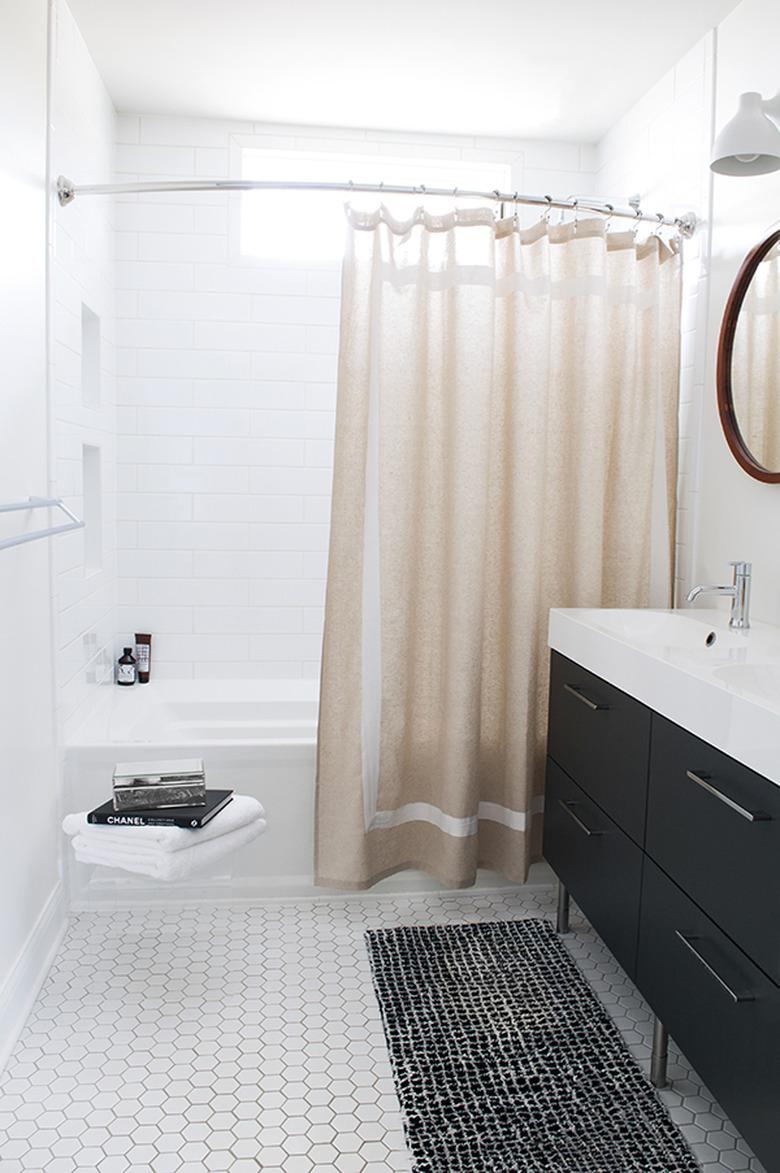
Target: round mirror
[{"x": 749, "y": 363}]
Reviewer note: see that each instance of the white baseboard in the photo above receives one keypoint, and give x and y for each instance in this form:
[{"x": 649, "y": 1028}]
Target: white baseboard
[
  {"x": 20, "y": 989},
  {"x": 114, "y": 892}
]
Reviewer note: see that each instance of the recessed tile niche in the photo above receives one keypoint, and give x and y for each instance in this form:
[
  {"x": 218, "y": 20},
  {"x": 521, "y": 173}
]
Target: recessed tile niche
[
  {"x": 92, "y": 477},
  {"x": 90, "y": 357}
]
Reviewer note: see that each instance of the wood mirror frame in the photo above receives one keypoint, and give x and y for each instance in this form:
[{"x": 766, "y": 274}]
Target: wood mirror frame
[{"x": 728, "y": 328}]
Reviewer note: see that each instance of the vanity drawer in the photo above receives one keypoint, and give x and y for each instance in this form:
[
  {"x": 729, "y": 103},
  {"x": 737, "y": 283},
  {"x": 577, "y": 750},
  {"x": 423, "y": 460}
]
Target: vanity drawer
[
  {"x": 596, "y": 861},
  {"x": 702, "y": 834},
  {"x": 720, "y": 1009},
  {"x": 600, "y": 737}
]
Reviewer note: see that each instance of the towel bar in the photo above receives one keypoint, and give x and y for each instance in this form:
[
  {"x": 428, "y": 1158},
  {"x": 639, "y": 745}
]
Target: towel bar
[{"x": 40, "y": 503}]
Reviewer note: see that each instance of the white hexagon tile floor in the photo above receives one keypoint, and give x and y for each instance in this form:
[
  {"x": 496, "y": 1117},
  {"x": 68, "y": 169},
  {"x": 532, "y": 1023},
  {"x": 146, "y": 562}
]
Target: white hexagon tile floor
[{"x": 248, "y": 1038}]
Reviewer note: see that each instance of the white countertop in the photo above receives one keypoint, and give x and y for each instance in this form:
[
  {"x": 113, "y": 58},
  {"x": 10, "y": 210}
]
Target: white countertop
[{"x": 725, "y": 689}]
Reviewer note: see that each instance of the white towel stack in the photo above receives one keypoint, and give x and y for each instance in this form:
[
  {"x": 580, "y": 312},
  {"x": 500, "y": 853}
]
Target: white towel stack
[{"x": 167, "y": 853}]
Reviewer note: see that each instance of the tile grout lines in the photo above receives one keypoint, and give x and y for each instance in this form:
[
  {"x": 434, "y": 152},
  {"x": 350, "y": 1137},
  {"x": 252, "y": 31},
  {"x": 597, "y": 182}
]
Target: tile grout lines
[{"x": 248, "y": 1038}]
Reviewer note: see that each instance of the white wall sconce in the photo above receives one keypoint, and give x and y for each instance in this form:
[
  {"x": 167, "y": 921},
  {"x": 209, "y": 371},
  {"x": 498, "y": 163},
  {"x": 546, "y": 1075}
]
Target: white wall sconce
[{"x": 750, "y": 143}]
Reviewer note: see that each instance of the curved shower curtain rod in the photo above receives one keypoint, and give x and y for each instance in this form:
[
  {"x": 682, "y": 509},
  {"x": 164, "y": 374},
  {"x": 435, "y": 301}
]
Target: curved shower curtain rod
[{"x": 685, "y": 225}]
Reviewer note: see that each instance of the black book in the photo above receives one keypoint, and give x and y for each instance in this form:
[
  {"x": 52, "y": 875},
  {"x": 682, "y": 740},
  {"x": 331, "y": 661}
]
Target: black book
[{"x": 190, "y": 817}]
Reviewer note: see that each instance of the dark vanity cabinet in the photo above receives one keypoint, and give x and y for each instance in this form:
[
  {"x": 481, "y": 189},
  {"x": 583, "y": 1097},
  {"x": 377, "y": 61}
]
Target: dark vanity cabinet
[
  {"x": 601, "y": 738},
  {"x": 595, "y": 801},
  {"x": 672, "y": 851},
  {"x": 713, "y": 826}
]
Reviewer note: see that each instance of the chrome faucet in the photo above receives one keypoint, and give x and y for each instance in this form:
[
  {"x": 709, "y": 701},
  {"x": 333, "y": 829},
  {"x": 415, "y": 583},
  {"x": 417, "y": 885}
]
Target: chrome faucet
[{"x": 739, "y": 592}]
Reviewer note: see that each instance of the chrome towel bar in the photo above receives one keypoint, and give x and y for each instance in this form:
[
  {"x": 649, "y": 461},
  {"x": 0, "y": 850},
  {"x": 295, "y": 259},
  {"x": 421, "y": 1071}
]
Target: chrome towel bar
[{"x": 40, "y": 503}]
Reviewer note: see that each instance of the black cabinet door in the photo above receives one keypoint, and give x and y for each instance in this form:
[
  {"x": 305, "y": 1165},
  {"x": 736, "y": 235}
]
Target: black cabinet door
[
  {"x": 601, "y": 738},
  {"x": 720, "y": 1009},
  {"x": 714, "y": 826},
  {"x": 596, "y": 861}
]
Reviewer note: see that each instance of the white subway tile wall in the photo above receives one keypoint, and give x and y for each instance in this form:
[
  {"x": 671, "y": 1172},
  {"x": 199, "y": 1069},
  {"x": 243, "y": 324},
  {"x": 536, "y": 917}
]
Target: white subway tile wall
[
  {"x": 227, "y": 393},
  {"x": 82, "y": 375}
]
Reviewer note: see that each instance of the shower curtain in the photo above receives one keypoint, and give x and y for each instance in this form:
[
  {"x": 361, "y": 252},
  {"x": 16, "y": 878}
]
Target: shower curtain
[{"x": 505, "y": 443}]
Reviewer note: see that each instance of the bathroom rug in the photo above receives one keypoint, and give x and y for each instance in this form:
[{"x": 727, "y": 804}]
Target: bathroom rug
[{"x": 505, "y": 1061}]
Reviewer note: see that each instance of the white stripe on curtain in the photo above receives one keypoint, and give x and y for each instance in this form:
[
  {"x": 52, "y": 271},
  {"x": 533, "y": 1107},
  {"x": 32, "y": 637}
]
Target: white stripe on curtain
[{"x": 414, "y": 812}]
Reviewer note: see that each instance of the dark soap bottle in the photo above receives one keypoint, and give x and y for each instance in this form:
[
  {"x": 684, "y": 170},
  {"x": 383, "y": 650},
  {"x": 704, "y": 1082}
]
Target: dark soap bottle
[{"x": 125, "y": 668}]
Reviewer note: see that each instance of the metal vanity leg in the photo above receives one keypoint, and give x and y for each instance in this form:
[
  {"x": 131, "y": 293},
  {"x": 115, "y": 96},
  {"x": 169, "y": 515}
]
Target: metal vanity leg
[
  {"x": 659, "y": 1055},
  {"x": 562, "y": 922}
]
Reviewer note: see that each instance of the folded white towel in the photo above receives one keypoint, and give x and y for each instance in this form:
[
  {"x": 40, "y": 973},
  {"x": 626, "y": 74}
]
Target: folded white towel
[
  {"x": 241, "y": 811},
  {"x": 162, "y": 864}
]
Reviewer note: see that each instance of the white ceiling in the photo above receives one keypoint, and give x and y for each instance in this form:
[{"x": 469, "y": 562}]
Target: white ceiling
[{"x": 562, "y": 69}]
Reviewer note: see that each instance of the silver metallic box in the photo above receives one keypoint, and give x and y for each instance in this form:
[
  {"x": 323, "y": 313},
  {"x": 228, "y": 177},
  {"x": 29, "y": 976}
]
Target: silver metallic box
[{"x": 155, "y": 785}]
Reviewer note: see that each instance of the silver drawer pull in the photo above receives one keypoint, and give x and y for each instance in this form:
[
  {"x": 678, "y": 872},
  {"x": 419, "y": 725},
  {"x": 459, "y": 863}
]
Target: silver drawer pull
[
  {"x": 568, "y": 807},
  {"x": 688, "y": 943},
  {"x": 585, "y": 699},
  {"x": 751, "y": 816}
]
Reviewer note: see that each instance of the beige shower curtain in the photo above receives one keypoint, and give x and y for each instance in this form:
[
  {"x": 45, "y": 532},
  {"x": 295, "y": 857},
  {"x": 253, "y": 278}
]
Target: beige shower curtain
[{"x": 506, "y": 430}]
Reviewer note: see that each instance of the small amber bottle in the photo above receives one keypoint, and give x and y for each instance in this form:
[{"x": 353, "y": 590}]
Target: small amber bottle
[{"x": 126, "y": 667}]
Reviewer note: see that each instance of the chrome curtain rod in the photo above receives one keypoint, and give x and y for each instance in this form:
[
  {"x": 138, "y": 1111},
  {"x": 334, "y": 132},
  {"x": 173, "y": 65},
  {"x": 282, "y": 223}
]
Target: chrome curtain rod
[{"x": 685, "y": 225}]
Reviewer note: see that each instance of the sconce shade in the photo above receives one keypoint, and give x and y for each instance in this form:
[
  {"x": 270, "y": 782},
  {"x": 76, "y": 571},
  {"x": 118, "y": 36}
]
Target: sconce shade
[{"x": 749, "y": 144}]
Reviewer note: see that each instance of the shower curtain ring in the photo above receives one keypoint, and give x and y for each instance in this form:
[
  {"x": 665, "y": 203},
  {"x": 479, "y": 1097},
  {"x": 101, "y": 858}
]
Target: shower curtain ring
[
  {"x": 548, "y": 210},
  {"x": 610, "y": 209},
  {"x": 514, "y": 214},
  {"x": 576, "y": 214},
  {"x": 637, "y": 218}
]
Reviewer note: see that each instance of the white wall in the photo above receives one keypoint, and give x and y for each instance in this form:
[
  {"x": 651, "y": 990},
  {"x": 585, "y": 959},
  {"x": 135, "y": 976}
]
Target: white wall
[
  {"x": 57, "y": 621},
  {"x": 82, "y": 274},
  {"x": 660, "y": 149},
  {"x": 739, "y": 517},
  {"x": 30, "y": 908},
  {"x": 663, "y": 147},
  {"x": 227, "y": 397}
]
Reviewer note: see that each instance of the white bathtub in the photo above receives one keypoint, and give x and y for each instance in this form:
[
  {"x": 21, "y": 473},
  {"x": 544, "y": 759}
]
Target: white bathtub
[
  {"x": 189, "y": 712},
  {"x": 256, "y": 737}
]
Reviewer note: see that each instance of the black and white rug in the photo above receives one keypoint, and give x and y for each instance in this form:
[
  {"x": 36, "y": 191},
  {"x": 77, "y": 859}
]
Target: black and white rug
[{"x": 506, "y": 1062}]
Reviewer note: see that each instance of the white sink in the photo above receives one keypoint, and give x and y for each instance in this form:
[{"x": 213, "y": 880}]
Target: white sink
[
  {"x": 722, "y": 685},
  {"x": 761, "y": 682},
  {"x": 669, "y": 630}
]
